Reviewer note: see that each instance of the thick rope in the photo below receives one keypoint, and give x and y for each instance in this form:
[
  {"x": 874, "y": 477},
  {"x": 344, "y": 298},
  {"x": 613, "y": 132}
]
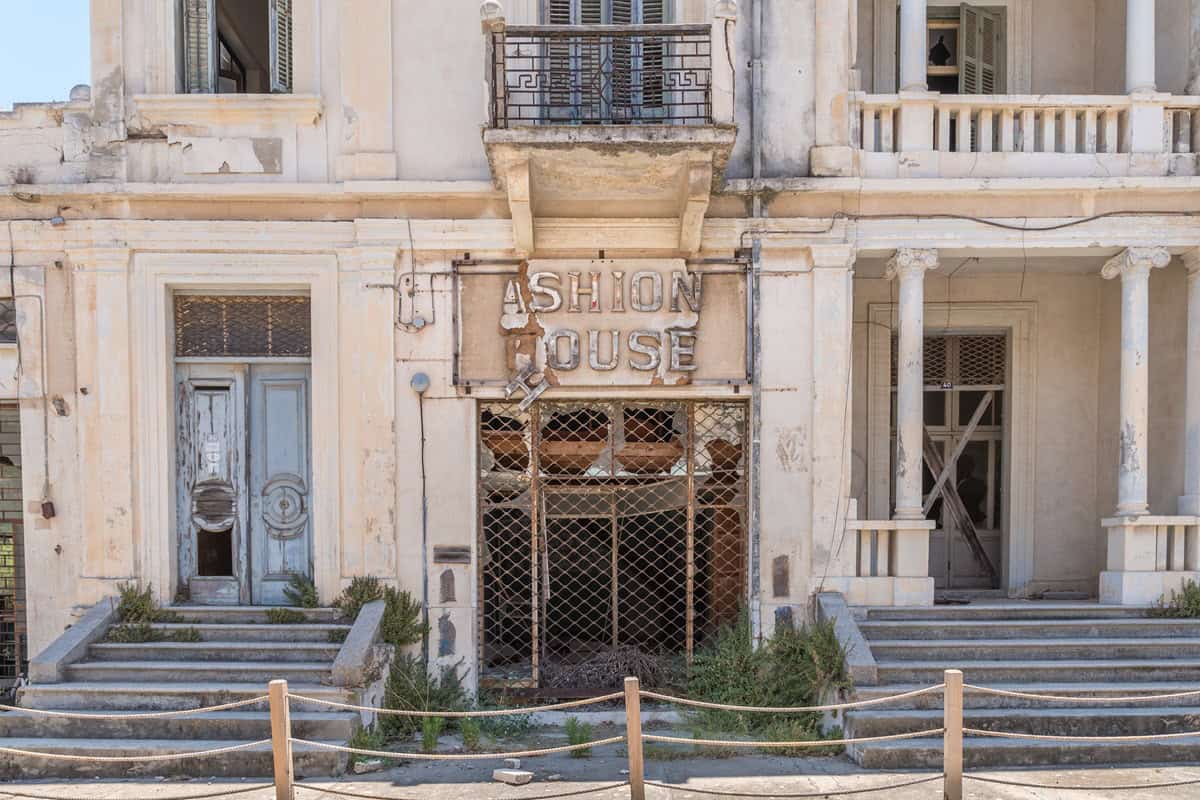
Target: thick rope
[
  {"x": 1053, "y": 738},
  {"x": 830, "y": 793},
  {"x": 222, "y": 793},
  {"x": 496, "y": 712},
  {"x": 804, "y": 743},
  {"x": 1110, "y": 788},
  {"x": 1141, "y": 698},
  {"x": 363, "y": 796},
  {"x": 405, "y": 756},
  {"x": 132, "y": 759},
  {"x": 138, "y": 714},
  {"x": 791, "y": 710}
]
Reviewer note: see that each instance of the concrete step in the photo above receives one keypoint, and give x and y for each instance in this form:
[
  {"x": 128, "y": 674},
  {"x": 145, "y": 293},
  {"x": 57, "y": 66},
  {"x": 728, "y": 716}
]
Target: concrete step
[
  {"x": 191, "y": 614},
  {"x": 1121, "y": 721},
  {"x": 216, "y": 651},
  {"x": 234, "y": 725},
  {"x": 159, "y": 696},
  {"x": 1034, "y": 649},
  {"x": 987, "y": 752},
  {"x": 260, "y": 672},
  {"x": 1007, "y": 610},
  {"x": 959, "y": 629},
  {"x": 1017, "y": 671},
  {"x": 252, "y": 632},
  {"x": 254, "y": 762},
  {"x": 1081, "y": 689}
]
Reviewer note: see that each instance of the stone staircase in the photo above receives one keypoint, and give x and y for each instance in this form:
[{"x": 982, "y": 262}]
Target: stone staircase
[
  {"x": 1066, "y": 649},
  {"x": 239, "y": 653}
]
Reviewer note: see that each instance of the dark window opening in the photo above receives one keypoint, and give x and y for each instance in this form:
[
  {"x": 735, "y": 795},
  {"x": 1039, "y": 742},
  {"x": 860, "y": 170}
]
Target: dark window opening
[{"x": 215, "y": 556}]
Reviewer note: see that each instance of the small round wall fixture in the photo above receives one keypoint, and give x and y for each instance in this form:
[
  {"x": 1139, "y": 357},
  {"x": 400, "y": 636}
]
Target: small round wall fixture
[{"x": 419, "y": 383}]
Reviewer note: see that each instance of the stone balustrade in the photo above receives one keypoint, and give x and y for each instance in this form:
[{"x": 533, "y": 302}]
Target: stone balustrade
[
  {"x": 926, "y": 134},
  {"x": 1148, "y": 557},
  {"x": 891, "y": 563}
]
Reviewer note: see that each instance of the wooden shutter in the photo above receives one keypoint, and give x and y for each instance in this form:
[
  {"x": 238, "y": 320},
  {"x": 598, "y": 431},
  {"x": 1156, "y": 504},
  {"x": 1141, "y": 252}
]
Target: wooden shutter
[
  {"x": 653, "y": 54},
  {"x": 199, "y": 40},
  {"x": 623, "y": 63},
  {"x": 281, "y": 45},
  {"x": 979, "y": 46},
  {"x": 558, "y": 54}
]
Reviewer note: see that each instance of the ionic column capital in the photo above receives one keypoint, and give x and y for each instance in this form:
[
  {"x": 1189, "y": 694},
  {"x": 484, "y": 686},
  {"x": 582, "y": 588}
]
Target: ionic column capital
[
  {"x": 1135, "y": 261},
  {"x": 911, "y": 261}
]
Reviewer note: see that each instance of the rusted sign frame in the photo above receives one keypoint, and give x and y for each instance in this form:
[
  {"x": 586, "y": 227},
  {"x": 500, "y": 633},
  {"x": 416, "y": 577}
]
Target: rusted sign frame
[{"x": 743, "y": 268}]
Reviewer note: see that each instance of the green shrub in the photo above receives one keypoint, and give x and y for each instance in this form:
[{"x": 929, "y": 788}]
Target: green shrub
[
  {"x": 796, "y": 667},
  {"x": 362, "y": 589},
  {"x": 367, "y": 739},
  {"x": 410, "y": 687},
  {"x": 579, "y": 733},
  {"x": 471, "y": 733},
  {"x": 301, "y": 591},
  {"x": 1181, "y": 604},
  {"x": 138, "y": 606},
  {"x": 431, "y": 729},
  {"x": 285, "y": 616},
  {"x": 337, "y": 636},
  {"x": 142, "y": 632}
]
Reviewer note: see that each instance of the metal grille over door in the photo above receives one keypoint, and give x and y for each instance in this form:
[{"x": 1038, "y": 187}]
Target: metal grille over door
[
  {"x": 612, "y": 538},
  {"x": 242, "y": 326}
]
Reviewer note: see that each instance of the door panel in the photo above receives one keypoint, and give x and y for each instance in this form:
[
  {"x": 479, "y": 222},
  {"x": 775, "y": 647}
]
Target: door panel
[
  {"x": 280, "y": 525},
  {"x": 211, "y": 500}
]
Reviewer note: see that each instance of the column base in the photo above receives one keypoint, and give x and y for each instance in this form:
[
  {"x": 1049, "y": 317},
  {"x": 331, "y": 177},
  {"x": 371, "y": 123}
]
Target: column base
[
  {"x": 1141, "y": 588},
  {"x": 883, "y": 591},
  {"x": 834, "y": 161}
]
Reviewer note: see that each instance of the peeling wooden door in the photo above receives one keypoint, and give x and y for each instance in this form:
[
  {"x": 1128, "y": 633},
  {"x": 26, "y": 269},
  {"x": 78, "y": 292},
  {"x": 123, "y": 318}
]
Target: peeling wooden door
[
  {"x": 211, "y": 503},
  {"x": 280, "y": 477}
]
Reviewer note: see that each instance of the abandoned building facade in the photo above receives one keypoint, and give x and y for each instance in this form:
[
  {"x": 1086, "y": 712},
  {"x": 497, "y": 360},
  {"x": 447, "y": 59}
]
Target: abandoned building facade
[{"x": 596, "y": 323}]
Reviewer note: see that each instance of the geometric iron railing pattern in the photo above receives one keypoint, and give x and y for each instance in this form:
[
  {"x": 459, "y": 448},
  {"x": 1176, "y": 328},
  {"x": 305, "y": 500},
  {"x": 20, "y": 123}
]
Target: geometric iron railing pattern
[
  {"x": 601, "y": 74},
  {"x": 242, "y": 326},
  {"x": 612, "y": 538}
]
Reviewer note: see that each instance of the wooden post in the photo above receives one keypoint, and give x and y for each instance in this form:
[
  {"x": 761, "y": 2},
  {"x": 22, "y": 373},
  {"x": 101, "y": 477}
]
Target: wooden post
[
  {"x": 952, "y": 743},
  {"x": 633, "y": 739},
  {"x": 281, "y": 738}
]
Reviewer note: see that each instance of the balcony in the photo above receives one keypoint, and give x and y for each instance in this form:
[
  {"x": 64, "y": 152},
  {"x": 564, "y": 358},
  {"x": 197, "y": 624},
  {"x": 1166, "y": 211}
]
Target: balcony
[
  {"x": 609, "y": 121},
  {"x": 919, "y": 134}
]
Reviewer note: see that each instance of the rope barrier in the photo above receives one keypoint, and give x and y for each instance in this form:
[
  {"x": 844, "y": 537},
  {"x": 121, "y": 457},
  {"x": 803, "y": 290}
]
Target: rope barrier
[
  {"x": 830, "y": 793},
  {"x": 1072, "y": 699},
  {"x": 496, "y": 712},
  {"x": 460, "y": 756},
  {"x": 1110, "y": 788},
  {"x": 136, "y": 714},
  {"x": 364, "y": 796},
  {"x": 791, "y": 710},
  {"x": 162, "y": 757},
  {"x": 650, "y": 737},
  {"x": 223, "y": 793},
  {"x": 1053, "y": 738}
]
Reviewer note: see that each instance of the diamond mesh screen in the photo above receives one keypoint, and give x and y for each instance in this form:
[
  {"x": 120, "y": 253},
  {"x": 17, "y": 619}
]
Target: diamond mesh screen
[
  {"x": 243, "y": 326},
  {"x": 963, "y": 360},
  {"x": 612, "y": 538}
]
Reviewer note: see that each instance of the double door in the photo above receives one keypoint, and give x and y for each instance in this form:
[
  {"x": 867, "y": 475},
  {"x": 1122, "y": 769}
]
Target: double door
[{"x": 243, "y": 480}]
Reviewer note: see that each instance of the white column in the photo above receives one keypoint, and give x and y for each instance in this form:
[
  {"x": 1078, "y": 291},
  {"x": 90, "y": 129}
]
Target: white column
[
  {"x": 1133, "y": 266},
  {"x": 913, "y": 39},
  {"x": 1189, "y": 503},
  {"x": 910, "y": 266},
  {"x": 1139, "y": 46}
]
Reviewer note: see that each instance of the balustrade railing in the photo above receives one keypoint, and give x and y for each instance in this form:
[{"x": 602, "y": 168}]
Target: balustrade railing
[{"x": 601, "y": 75}]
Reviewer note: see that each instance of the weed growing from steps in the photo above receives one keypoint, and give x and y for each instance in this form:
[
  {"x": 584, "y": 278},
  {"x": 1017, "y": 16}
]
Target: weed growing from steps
[
  {"x": 301, "y": 591},
  {"x": 401, "y": 624},
  {"x": 285, "y": 616},
  {"x": 137, "y": 611},
  {"x": 368, "y": 739},
  {"x": 337, "y": 636},
  {"x": 1181, "y": 604},
  {"x": 579, "y": 733}
]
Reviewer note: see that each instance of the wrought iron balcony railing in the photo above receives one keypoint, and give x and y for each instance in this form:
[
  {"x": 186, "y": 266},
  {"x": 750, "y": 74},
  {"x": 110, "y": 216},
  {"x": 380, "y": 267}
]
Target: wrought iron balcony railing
[{"x": 601, "y": 75}]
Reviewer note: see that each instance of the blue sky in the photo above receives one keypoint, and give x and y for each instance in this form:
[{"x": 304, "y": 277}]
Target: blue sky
[{"x": 44, "y": 49}]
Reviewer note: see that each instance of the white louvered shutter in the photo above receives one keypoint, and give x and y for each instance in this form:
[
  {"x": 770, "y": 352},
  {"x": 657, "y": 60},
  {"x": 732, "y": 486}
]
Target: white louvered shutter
[
  {"x": 281, "y": 45},
  {"x": 199, "y": 43},
  {"x": 980, "y": 36}
]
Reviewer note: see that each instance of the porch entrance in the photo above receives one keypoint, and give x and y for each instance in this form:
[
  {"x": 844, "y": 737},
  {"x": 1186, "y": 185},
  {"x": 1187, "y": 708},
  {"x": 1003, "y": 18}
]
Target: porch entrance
[
  {"x": 964, "y": 476},
  {"x": 242, "y": 446},
  {"x": 612, "y": 538}
]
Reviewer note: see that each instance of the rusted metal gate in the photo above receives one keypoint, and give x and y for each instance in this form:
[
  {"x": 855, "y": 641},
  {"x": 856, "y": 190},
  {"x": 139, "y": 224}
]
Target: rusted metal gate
[{"x": 612, "y": 537}]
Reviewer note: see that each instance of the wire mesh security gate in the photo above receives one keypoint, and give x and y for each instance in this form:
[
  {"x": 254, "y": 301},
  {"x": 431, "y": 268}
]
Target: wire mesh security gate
[{"x": 612, "y": 538}]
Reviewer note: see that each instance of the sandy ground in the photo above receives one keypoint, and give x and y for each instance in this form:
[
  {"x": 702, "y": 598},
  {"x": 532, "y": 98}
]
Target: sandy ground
[{"x": 753, "y": 776}]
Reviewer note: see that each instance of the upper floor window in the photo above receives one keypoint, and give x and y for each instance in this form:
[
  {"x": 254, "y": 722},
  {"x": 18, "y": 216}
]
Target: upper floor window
[
  {"x": 237, "y": 46},
  {"x": 604, "y": 12},
  {"x": 965, "y": 49}
]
